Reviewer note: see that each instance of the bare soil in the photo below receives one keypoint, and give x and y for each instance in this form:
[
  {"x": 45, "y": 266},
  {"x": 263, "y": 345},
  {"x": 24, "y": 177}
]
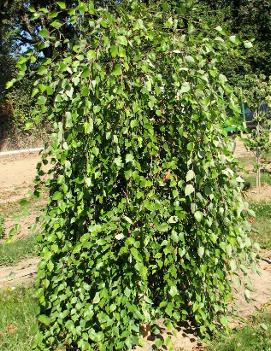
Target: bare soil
[
  {"x": 261, "y": 293},
  {"x": 241, "y": 151},
  {"x": 24, "y": 228},
  {"x": 21, "y": 274},
  {"x": 16, "y": 176},
  {"x": 17, "y": 173},
  {"x": 262, "y": 196}
]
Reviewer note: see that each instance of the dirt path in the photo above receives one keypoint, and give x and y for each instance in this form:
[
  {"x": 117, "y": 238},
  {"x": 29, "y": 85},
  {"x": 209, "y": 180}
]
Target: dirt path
[
  {"x": 21, "y": 274},
  {"x": 261, "y": 294},
  {"x": 263, "y": 196},
  {"x": 16, "y": 176},
  {"x": 241, "y": 151}
]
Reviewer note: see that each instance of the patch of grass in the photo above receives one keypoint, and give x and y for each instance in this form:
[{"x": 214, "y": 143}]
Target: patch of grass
[
  {"x": 18, "y": 324},
  {"x": 251, "y": 178},
  {"x": 262, "y": 209},
  {"x": 15, "y": 251},
  {"x": 261, "y": 224},
  {"x": 255, "y": 336}
]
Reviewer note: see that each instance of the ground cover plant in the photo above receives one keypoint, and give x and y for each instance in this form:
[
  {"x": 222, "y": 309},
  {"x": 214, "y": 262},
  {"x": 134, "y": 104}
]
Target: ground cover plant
[{"x": 145, "y": 218}]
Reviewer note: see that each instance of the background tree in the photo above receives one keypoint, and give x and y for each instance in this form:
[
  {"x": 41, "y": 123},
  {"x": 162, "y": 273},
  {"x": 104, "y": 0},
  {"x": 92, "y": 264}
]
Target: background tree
[{"x": 257, "y": 140}]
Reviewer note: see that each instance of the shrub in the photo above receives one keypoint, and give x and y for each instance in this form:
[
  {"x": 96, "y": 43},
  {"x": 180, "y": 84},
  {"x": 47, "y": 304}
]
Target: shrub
[{"x": 145, "y": 220}]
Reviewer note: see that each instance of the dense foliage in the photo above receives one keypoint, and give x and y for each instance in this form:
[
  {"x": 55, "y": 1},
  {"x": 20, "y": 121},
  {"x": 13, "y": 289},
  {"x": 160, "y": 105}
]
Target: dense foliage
[
  {"x": 145, "y": 219},
  {"x": 248, "y": 19}
]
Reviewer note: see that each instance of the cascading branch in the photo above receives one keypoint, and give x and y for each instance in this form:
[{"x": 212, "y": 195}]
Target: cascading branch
[{"x": 145, "y": 220}]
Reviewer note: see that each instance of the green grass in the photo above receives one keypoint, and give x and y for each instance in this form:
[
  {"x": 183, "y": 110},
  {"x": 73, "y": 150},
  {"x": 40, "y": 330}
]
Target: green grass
[
  {"x": 261, "y": 227},
  {"x": 15, "y": 251},
  {"x": 251, "y": 178},
  {"x": 255, "y": 336},
  {"x": 18, "y": 324}
]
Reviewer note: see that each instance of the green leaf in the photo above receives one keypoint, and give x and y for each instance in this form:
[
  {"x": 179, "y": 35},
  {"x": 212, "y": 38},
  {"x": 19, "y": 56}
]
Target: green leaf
[
  {"x": 163, "y": 227},
  {"x": 173, "y": 291},
  {"x": 44, "y": 33},
  {"x": 201, "y": 251},
  {"x": 56, "y": 24},
  {"x": 10, "y": 83},
  {"x": 91, "y": 9},
  {"x": 44, "y": 319},
  {"x": 122, "y": 52},
  {"x": 129, "y": 158},
  {"x": 248, "y": 44},
  {"x": 117, "y": 70},
  {"x": 185, "y": 87},
  {"x": 96, "y": 298},
  {"x": 122, "y": 40},
  {"x": 128, "y": 219},
  {"x": 88, "y": 126},
  {"x": 224, "y": 320},
  {"x": 189, "y": 59},
  {"x": 190, "y": 175},
  {"x": 61, "y": 4},
  {"x": 198, "y": 215},
  {"x": 114, "y": 50},
  {"x": 50, "y": 266},
  {"x": 233, "y": 39},
  {"x": 41, "y": 100},
  {"x": 189, "y": 189},
  {"x": 29, "y": 125},
  {"x": 118, "y": 161},
  {"x": 91, "y": 54},
  {"x": 57, "y": 196}
]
